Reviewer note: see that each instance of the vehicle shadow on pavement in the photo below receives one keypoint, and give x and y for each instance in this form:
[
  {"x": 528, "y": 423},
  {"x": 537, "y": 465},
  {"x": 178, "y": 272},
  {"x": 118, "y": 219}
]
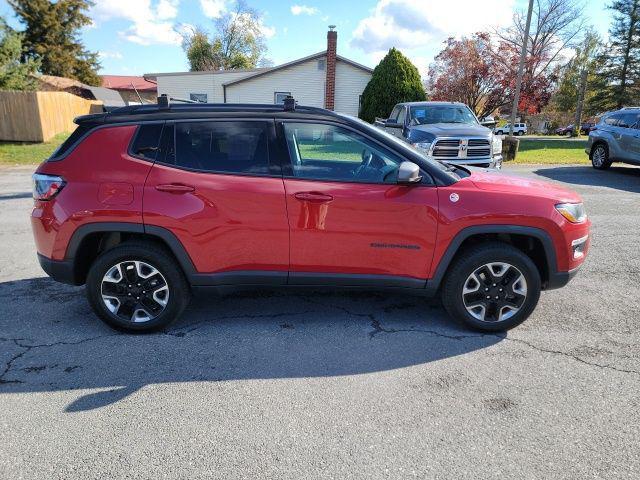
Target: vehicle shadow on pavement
[
  {"x": 618, "y": 177},
  {"x": 51, "y": 340}
]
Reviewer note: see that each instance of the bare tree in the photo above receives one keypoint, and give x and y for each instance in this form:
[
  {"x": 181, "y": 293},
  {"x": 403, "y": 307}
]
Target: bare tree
[{"x": 555, "y": 26}]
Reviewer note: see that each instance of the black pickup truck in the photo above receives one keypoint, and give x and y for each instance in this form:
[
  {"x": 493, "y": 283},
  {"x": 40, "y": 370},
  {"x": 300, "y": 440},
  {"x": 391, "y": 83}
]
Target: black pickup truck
[{"x": 446, "y": 131}]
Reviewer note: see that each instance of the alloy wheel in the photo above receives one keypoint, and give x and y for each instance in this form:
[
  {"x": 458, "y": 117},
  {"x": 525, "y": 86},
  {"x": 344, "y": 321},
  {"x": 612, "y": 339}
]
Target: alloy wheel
[
  {"x": 134, "y": 291},
  {"x": 598, "y": 156},
  {"x": 494, "y": 292}
]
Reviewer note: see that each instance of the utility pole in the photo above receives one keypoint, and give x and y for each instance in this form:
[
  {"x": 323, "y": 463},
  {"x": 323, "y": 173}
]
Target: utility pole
[{"x": 523, "y": 55}]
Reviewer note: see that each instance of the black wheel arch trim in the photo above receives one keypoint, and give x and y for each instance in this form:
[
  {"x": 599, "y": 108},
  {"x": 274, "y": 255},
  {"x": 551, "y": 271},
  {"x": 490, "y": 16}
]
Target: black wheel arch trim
[
  {"x": 172, "y": 242},
  {"x": 556, "y": 279}
]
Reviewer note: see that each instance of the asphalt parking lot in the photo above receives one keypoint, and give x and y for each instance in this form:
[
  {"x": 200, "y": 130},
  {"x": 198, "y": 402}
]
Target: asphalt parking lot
[{"x": 327, "y": 385}]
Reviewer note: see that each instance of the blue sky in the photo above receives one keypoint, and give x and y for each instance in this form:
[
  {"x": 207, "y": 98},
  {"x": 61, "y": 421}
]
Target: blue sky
[{"x": 143, "y": 36}]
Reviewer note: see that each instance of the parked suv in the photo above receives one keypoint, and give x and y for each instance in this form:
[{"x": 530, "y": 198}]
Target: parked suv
[
  {"x": 518, "y": 129},
  {"x": 616, "y": 138},
  {"x": 446, "y": 131},
  {"x": 147, "y": 204}
]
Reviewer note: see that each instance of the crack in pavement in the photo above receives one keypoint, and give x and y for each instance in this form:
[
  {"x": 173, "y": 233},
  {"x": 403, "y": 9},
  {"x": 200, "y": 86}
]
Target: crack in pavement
[{"x": 376, "y": 325}]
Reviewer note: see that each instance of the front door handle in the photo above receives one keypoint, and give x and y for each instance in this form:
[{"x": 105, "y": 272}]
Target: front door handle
[
  {"x": 313, "y": 197},
  {"x": 176, "y": 188}
]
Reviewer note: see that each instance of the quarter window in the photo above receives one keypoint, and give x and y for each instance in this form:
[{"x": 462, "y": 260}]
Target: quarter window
[
  {"x": 226, "y": 147},
  {"x": 328, "y": 152},
  {"x": 146, "y": 143}
]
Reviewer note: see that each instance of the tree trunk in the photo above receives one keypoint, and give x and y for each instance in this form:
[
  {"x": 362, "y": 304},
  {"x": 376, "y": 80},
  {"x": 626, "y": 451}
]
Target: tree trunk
[{"x": 581, "y": 93}]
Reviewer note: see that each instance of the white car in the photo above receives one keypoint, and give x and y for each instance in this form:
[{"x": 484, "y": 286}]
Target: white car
[{"x": 518, "y": 129}]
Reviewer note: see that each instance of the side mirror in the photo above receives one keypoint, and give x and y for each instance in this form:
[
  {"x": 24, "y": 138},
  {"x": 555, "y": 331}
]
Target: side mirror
[
  {"x": 392, "y": 124},
  {"x": 488, "y": 123},
  {"x": 409, "y": 172}
]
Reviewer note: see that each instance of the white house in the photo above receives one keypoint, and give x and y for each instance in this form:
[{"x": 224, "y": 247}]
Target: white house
[{"x": 324, "y": 79}]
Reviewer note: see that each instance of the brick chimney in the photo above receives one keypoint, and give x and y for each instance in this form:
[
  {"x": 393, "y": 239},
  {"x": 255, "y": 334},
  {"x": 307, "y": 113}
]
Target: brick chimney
[{"x": 330, "y": 86}]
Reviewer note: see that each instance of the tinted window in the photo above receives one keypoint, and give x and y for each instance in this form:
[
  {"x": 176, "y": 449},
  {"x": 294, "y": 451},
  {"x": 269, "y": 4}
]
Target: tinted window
[
  {"x": 146, "y": 142},
  {"x": 167, "y": 152},
  {"x": 628, "y": 120},
  {"x": 69, "y": 142},
  {"x": 231, "y": 147},
  {"x": 320, "y": 151}
]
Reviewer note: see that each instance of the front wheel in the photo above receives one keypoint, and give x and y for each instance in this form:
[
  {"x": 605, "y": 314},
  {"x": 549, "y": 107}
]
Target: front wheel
[
  {"x": 137, "y": 287},
  {"x": 491, "y": 287}
]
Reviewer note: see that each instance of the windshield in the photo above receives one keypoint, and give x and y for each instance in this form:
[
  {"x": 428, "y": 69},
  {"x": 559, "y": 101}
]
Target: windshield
[
  {"x": 428, "y": 114},
  {"x": 404, "y": 146}
]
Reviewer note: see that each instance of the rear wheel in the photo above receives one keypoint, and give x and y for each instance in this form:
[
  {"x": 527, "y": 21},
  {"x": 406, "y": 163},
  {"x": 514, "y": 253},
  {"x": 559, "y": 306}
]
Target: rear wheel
[
  {"x": 491, "y": 287},
  {"x": 600, "y": 157},
  {"x": 137, "y": 287}
]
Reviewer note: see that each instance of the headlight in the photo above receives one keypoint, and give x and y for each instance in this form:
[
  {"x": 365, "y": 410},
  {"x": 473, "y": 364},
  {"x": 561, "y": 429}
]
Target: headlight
[
  {"x": 496, "y": 145},
  {"x": 424, "y": 146},
  {"x": 574, "y": 212}
]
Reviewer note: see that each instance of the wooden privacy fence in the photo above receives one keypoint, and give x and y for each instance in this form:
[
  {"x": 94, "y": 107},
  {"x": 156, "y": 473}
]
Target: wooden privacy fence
[{"x": 39, "y": 116}]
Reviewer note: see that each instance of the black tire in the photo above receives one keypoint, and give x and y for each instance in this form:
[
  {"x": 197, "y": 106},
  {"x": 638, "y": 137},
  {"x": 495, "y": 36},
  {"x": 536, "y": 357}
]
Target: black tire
[
  {"x": 468, "y": 262},
  {"x": 600, "y": 157},
  {"x": 150, "y": 254}
]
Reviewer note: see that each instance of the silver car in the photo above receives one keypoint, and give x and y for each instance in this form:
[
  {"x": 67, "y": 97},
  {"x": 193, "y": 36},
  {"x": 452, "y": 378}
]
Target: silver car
[{"x": 616, "y": 138}]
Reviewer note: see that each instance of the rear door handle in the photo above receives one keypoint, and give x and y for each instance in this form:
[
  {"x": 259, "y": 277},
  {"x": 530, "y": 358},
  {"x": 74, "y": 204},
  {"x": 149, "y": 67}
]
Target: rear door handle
[
  {"x": 175, "y": 188},
  {"x": 313, "y": 197}
]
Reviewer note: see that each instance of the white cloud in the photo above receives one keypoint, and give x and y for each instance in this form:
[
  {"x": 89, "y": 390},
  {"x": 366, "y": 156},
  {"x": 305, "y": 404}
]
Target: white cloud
[
  {"x": 115, "y": 55},
  {"x": 304, "y": 10},
  {"x": 413, "y": 24},
  {"x": 167, "y": 9},
  {"x": 213, "y": 8},
  {"x": 151, "y": 22}
]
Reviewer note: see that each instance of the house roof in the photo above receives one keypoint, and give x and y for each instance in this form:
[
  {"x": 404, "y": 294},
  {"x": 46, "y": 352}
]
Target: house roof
[
  {"x": 297, "y": 62},
  {"x": 128, "y": 82},
  {"x": 154, "y": 76},
  {"x": 60, "y": 82}
]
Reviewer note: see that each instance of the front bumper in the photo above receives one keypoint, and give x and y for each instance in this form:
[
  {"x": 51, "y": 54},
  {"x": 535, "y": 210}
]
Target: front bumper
[
  {"x": 560, "y": 279},
  {"x": 62, "y": 271}
]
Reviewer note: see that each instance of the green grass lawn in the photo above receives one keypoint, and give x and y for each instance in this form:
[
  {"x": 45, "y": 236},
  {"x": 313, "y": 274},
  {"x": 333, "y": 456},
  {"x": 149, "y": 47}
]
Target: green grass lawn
[
  {"x": 12, "y": 153},
  {"x": 552, "y": 151}
]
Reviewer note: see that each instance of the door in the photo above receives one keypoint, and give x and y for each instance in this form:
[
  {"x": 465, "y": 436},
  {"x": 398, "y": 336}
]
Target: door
[
  {"x": 629, "y": 128},
  {"x": 350, "y": 222},
  {"x": 219, "y": 191}
]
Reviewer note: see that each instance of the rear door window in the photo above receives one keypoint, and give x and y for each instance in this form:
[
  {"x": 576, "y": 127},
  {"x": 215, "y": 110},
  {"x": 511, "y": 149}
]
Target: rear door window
[{"x": 240, "y": 147}]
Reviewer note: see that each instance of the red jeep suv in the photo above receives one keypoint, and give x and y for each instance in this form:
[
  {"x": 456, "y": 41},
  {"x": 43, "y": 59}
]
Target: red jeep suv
[{"x": 147, "y": 204}]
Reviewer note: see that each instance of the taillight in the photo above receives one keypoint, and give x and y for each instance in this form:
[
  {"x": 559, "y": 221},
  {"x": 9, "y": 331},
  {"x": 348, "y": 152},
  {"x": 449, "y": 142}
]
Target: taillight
[{"x": 45, "y": 187}]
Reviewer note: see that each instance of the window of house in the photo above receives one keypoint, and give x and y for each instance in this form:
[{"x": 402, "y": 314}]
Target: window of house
[
  {"x": 329, "y": 152},
  {"x": 278, "y": 97},
  {"x": 322, "y": 64},
  {"x": 146, "y": 144},
  {"x": 198, "y": 97},
  {"x": 225, "y": 147}
]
